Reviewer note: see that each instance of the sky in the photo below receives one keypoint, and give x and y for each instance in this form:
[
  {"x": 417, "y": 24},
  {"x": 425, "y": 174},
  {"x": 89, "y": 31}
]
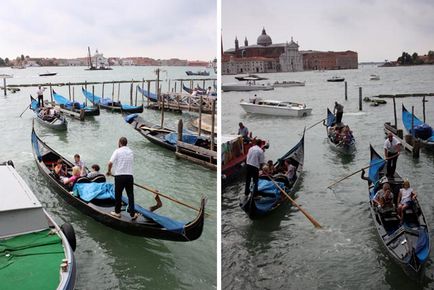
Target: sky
[
  {"x": 376, "y": 29},
  {"x": 162, "y": 29}
]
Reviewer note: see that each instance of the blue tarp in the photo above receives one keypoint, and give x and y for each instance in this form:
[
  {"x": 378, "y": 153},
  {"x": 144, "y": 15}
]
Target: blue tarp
[
  {"x": 128, "y": 107},
  {"x": 406, "y": 120},
  {"x": 68, "y": 104},
  {"x": 272, "y": 195},
  {"x": 130, "y": 118},
  {"x": 422, "y": 246},
  {"x": 89, "y": 191},
  {"x": 173, "y": 137}
]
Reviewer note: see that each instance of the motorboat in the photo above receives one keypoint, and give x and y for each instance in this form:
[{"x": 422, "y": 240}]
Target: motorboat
[
  {"x": 336, "y": 79},
  {"x": 248, "y": 86},
  {"x": 275, "y": 108},
  {"x": 286, "y": 84},
  {"x": 251, "y": 78},
  {"x": 374, "y": 77}
]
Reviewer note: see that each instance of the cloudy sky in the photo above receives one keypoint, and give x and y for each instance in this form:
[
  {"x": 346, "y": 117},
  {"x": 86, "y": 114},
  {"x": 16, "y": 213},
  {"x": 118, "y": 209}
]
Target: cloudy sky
[
  {"x": 376, "y": 29},
  {"x": 156, "y": 28}
]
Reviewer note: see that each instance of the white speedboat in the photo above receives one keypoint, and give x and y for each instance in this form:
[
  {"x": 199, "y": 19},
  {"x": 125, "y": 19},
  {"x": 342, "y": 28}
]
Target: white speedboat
[
  {"x": 336, "y": 79},
  {"x": 248, "y": 86},
  {"x": 286, "y": 84},
  {"x": 374, "y": 77},
  {"x": 275, "y": 108}
]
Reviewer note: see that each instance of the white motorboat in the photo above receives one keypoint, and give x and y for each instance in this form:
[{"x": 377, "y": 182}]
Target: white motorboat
[
  {"x": 275, "y": 108},
  {"x": 336, "y": 79},
  {"x": 248, "y": 86},
  {"x": 374, "y": 77},
  {"x": 286, "y": 84}
]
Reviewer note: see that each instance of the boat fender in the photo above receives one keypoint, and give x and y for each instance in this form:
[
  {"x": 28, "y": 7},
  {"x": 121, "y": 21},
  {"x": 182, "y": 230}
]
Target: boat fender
[
  {"x": 11, "y": 163},
  {"x": 69, "y": 233}
]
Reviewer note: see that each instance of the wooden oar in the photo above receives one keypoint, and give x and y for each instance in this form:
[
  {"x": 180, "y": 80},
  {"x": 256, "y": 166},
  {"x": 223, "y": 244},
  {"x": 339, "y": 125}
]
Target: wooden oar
[
  {"x": 24, "y": 111},
  {"x": 315, "y": 124},
  {"x": 366, "y": 167},
  {"x": 306, "y": 214},
  {"x": 150, "y": 189}
]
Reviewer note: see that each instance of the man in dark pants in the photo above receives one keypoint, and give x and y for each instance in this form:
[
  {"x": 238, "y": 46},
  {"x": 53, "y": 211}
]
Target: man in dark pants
[
  {"x": 122, "y": 163},
  {"x": 40, "y": 94},
  {"x": 391, "y": 149},
  {"x": 339, "y": 111},
  {"x": 254, "y": 161}
]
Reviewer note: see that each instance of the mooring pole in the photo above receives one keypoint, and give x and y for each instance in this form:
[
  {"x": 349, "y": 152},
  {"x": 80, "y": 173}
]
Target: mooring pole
[
  {"x": 93, "y": 94},
  {"x": 102, "y": 93},
  {"x": 212, "y": 124},
  {"x": 119, "y": 90},
  {"x": 412, "y": 122},
  {"x": 149, "y": 92},
  {"x": 162, "y": 112},
  {"x": 135, "y": 102},
  {"x": 69, "y": 91},
  {"x": 131, "y": 94},
  {"x": 73, "y": 94},
  {"x": 423, "y": 107},
  {"x": 360, "y": 99},
  {"x": 113, "y": 90},
  {"x": 4, "y": 86},
  {"x": 346, "y": 91},
  {"x": 394, "y": 113},
  {"x": 180, "y": 87},
  {"x": 200, "y": 116},
  {"x": 175, "y": 86}
]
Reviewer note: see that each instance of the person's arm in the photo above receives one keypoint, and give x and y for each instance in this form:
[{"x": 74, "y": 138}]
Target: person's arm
[
  {"x": 399, "y": 197},
  {"x": 363, "y": 175},
  {"x": 414, "y": 195},
  {"x": 110, "y": 164}
]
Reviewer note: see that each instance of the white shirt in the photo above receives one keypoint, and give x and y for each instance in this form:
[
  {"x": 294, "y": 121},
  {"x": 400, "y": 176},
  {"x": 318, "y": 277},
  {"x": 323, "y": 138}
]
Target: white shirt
[
  {"x": 41, "y": 92},
  {"x": 122, "y": 159},
  {"x": 255, "y": 156},
  {"x": 406, "y": 194},
  {"x": 391, "y": 146}
]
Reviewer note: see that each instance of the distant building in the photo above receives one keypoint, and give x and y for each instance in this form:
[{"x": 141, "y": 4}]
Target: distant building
[{"x": 264, "y": 56}]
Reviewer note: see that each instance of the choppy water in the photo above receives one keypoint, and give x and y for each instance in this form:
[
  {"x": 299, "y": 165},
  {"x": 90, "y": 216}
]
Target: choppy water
[
  {"x": 284, "y": 250},
  {"x": 108, "y": 259}
]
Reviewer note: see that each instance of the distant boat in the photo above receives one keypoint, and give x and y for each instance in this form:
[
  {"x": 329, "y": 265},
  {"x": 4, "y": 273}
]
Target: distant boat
[
  {"x": 374, "y": 77},
  {"x": 18, "y": 66},
  {"x": 249, "y": 86},
  {"x": 336, "y": 79},
  {"x": 275, "y": 108},
  {"x": 251, "y": 78},
  {"x": 99, "y": 65},
  {"x": 6, "y": 76},
  {"x": 197, "y": 73},
  {"x": 286, "y": 84},
  {"x": 47, "y": 74},
  {"x": 422, "y": 131}
]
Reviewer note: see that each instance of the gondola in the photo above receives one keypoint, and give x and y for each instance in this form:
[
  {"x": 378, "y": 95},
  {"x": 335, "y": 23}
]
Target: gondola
[
  {"x": 269, "y": 197},
  {"x": 151, "y": 96},
  {"x": 83, "y": 197},
  {"x": 75, "y": 107},
  {"x": 111, "y": 105},
  {"x": 56, "y": 122},
  {"x": 197, "y": 73},
  {"x": 422, "y": 130},
  {"x": 35, "y": 252},
  {"x": 347, "y": 147},
  {"x": 407, "y": 244},
  {"x": 166, "y": 137}
]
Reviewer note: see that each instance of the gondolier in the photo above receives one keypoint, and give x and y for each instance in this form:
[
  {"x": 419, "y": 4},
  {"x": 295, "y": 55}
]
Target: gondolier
[
  {"x": 122, "y": 161},
  {"x": 254, "y": 161},
  {"x": 40, "y": 94},
  {"x": 338, "y": 111},
  {"x": 392, "y": 147}
]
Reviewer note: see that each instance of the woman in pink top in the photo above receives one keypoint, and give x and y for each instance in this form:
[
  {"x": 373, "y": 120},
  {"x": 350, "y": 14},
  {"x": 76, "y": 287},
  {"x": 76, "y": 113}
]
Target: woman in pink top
[{"x": 75, "y": 175}]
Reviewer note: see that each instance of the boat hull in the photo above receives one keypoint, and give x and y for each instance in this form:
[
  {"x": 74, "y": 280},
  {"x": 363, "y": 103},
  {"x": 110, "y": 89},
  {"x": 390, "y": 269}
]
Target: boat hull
[
  {"x": 275, "y": 111},
  {"x": 246, "y": 88}
]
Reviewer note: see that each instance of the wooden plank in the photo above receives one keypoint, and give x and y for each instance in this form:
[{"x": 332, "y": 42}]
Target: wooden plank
[
  {"x": 197, "y": 161},
  {"x": 200, "y": 150}
]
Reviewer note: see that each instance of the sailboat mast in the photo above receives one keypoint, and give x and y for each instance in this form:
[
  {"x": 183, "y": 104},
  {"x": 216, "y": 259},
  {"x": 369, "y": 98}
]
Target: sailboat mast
[{"x": 90, "y": 58}]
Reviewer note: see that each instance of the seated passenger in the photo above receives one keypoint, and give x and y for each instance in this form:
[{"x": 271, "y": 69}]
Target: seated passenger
[
  {"x": 94, "y": 172},
  {"x": 405, "y": 198},
  {"x": 59, "y": 169},
  {"x": 80, "y": 164},
  {"x": 271, "y": 167},
  {"x": 387, "y": 199},
  {"x": 75, "y": 175},
  {"x": 265, "y": 171},
  {"x": 291, "y": 171},
  {"x": 379, "y": 196}
]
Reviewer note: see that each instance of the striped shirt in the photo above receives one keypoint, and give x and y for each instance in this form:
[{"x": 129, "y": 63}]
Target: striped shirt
[{"x": 122, "y": 159}]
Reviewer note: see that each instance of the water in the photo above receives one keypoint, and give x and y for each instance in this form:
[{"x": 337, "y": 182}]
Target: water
[
  {"x": 108, "y": 259},
  {"x": 284, "y": 250}
]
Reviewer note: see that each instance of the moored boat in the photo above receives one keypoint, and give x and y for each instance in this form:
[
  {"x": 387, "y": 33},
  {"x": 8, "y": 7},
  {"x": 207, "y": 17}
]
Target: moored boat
[
  {"x": 251, "y": 77},
  {"x": 48, "y": 74},
  {"x": 374, "y": 77},
  {"x": 269, "y": 197},
  {"x": 339, "y": 136},
  {"x": 200, "y": 91},
  {"x": 75, "y": 107},
  {"x": 275, "y": 108},
  {"x": 249, "y": 86},
  {"x": 95, "y": 198},
  {"x": 110, "y": 104},
  {"x": 197, "y": 73},
  {"x": 55, "y": 121},
  {"x": 35, "y": 252},
  {"x": 287, "y": 84},
  {"x": 422, "y": 131},
  {"x": 408, "y": 244},
  {"x": 150, "y": 95},
  {"x": 336, "y": 79}
]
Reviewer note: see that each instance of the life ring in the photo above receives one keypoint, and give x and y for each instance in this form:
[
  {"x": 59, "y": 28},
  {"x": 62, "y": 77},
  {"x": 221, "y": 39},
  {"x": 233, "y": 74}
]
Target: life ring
[{"x": 69, "y": 233}]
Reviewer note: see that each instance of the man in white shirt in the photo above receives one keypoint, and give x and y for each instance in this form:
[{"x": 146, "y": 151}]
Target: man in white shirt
[
  {"x": 254, "y": 161},
  {"x": 40, "y": 94},
  {"x": 122, "y": 164},
  {"x": 392, "y": 147}
]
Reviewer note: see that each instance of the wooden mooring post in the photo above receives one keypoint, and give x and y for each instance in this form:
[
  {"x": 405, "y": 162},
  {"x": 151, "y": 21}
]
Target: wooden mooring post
[
  {"x": 200, "y": 116},
  {"x": 102, "y": 93},
  {"x": 69, "y": 91},
  {"x": 346, "y": 91},
  {"x": 147, "y": 99},
  {"x": 119, "y": 90},
  {"x": 423, "y": 107},
  {"x": 4, "y": 86},
  {"x": 212, "y": 124},
  {"x": 360, "y": 99},
  {"x": 51, "y": 93},
  {"x": 394, "y": 114}
]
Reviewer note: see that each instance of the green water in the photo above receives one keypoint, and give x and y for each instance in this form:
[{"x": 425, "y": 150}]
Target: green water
[{"x": 108, "y": 259}]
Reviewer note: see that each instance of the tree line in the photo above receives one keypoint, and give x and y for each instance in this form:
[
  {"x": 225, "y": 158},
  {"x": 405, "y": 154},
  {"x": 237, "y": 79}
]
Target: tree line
[{"x": 415, "y": 59}]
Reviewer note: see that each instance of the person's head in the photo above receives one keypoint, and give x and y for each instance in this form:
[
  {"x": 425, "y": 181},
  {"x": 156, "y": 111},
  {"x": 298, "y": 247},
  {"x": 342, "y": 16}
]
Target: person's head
[
  {"x": 59, "y": 161},
  {"x": 241, "y": 125},
  {"x": 386, "y": 186},
  {"x": 390, "y": 136},
  {"x": 406, "y": 184},
  {"x": 123, "y": 141},
  {"x": 336, "y": 103},
  {"x": 77, "y": 158},
  {"x": 270, "y": 163},
  {"x": 39, "y": 87},
  {"x": 387, "y": 193},
  {"x": 76, "y": 171},
  {"x": 265, "y": 169},
  {"x": 95, "y": 167},
  {"x": 209, "y": 88}
]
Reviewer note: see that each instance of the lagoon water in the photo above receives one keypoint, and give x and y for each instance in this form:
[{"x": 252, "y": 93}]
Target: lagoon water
[
  {"x": 108, "y": 259},
  {"x": 284, "y": 250}
]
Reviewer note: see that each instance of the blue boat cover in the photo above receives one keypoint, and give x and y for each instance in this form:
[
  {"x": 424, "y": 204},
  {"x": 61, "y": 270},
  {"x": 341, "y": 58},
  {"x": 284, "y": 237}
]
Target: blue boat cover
[
  {"x": 330, "y": 118},
  {"x": 68, "y": 104},
  {"x": 129, "y": 107},
  {"x": 422, "y": 130},
  {"x": 173, "y": 137},
  {"x": 266, "y": 203},
  {"x": 130, "y": 118},
  {"x": 150, "y": 95},
  {"x": 422, "y": 245},
  {"x": 34, "y": 105},
  {"x": 94, "y": 98},
  {"x": 89, "y": 191}
]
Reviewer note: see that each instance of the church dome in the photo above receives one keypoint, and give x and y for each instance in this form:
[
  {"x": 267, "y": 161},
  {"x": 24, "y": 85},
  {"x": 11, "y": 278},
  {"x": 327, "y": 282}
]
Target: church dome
[{"x": 264, "y": 39}]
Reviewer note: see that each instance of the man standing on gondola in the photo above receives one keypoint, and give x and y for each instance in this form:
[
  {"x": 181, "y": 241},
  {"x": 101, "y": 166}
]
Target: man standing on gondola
[
  {"x": 122, "y": 163},
  {"x": 338, "y": 111},
  {"x": 40, "y": 94},
  {"x": 254, "y": 161},
  {"x": 392, "y": 148}
]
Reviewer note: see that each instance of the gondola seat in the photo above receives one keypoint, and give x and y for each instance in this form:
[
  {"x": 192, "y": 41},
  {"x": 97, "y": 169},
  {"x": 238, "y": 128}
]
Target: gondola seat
[{"x": 99, "y": 178}]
